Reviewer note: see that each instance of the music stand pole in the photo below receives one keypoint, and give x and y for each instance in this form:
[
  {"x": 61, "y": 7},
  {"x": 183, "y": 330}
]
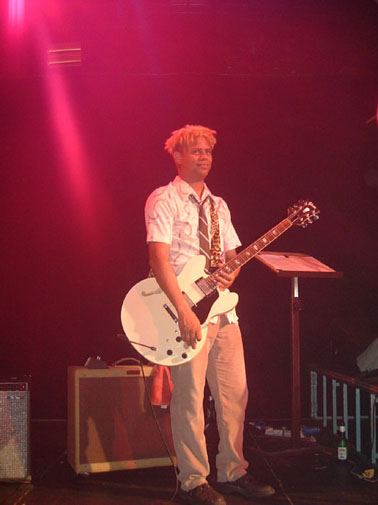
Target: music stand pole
[{"x": 296, "y": 306}]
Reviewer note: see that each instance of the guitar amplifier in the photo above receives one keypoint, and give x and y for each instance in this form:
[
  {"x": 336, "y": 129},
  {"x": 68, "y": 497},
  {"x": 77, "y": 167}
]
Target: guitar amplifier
[
  {"x": 14, "y": 430},
  {"x": 111, "y": 425}
]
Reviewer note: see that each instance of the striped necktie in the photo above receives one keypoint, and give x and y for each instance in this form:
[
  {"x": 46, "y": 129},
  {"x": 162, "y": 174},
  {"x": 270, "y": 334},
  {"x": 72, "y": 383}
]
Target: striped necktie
[{"x": 203, "y": 229}]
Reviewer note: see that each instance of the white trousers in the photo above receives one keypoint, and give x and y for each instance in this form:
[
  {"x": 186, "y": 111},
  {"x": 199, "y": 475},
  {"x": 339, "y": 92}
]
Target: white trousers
[{"x": 221, "y": 362}]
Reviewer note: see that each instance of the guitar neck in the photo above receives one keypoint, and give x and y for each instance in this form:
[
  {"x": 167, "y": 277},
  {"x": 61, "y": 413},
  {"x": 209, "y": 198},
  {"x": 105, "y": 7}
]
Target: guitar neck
[{"x": 252, "y": 250}]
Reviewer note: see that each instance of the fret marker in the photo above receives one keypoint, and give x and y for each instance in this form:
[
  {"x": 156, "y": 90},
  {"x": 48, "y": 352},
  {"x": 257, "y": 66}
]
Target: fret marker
[
  {"x": 274, "y": 232},
  {"x": 255, "y": 247},
  {"x": 264, "y": 240}
]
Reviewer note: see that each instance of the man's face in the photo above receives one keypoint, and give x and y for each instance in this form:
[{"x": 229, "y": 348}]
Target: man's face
[{"x": 194, "y": 163}]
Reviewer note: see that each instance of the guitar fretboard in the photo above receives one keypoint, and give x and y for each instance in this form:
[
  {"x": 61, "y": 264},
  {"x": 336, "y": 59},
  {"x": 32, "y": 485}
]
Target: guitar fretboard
[{"x": 252, "y": 250}]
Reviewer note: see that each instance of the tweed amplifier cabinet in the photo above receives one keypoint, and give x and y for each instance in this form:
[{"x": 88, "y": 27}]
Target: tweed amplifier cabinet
[
  {"x": 14, "y": 430},
  {"x": 110, "y": 422}
]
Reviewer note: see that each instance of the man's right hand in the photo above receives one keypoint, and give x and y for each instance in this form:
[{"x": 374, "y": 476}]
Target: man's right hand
[{"x": 190, "y": 327}]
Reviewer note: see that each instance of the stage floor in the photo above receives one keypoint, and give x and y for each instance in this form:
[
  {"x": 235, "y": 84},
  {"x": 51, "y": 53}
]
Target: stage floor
[{"x": 302, "y": 479}]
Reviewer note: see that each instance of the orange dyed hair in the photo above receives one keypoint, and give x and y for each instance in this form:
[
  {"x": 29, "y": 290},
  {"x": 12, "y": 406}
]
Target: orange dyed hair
[{"x": 184, "y": 136}]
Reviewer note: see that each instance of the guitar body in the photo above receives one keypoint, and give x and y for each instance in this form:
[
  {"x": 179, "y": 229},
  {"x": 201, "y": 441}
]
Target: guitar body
[{"x": 149, "y": 319}]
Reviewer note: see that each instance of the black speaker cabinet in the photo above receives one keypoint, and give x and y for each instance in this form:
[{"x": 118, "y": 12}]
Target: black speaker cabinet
[
  {"x": 14, "y": 430},
  {"x": 110, "y": 422}
]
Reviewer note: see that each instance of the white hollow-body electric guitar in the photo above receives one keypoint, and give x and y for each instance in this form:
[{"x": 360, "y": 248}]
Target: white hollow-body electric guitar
[{"x": 149, "y": 319}]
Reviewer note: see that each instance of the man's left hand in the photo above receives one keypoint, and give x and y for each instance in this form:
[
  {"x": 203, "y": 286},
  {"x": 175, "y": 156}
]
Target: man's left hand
[{"x": 224, "y": 279}]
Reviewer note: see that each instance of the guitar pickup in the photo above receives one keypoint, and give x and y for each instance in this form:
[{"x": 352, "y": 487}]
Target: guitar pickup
[{"x": 204, "y": 286}]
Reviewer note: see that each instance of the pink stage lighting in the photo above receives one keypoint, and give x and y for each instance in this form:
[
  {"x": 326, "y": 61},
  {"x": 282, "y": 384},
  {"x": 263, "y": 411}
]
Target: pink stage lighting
[{"x": 16, "y": 14}]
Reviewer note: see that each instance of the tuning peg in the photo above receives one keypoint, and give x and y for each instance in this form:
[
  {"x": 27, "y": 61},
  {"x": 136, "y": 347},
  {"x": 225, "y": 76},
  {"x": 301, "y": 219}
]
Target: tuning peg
[{"x": 316, "y": 217}]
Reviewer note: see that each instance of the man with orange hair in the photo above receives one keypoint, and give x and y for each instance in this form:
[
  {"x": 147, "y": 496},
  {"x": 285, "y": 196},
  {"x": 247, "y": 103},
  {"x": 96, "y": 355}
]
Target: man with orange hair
[{"x": 173, "y": 236}]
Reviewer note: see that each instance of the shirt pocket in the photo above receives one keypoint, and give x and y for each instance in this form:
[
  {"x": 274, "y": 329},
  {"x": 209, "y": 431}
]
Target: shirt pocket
[{"x": 183, "y": 230}]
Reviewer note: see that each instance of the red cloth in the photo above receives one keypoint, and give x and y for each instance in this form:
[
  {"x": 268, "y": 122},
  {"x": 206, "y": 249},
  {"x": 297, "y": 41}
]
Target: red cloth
[{"x": 162, "y": 386}]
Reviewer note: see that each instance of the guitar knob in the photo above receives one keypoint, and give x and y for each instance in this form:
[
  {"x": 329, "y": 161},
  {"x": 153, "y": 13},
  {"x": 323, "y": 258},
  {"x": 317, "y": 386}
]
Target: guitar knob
[
  {"x": 178, "y": 339},
  {"x": 169, "y": 352},
  {"x": 184, "y": 355}
]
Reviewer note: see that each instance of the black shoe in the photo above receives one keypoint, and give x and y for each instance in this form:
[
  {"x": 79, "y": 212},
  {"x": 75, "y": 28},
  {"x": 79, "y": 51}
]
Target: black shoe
[
  {"x": 246, "y": 486},
  {"x": 202, "y": 495}
]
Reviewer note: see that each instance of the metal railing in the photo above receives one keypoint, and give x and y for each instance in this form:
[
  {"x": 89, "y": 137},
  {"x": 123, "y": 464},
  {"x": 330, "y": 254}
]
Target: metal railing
[{"x": 341, "y": 388}]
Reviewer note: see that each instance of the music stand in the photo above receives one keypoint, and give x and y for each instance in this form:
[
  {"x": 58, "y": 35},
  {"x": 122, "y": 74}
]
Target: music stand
[{"x": 295, "y": 265}]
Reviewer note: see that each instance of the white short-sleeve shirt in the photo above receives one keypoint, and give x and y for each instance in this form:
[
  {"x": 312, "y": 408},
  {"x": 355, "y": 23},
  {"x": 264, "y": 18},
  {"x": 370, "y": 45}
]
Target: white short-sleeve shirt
[{"x": 172, "y": 217}]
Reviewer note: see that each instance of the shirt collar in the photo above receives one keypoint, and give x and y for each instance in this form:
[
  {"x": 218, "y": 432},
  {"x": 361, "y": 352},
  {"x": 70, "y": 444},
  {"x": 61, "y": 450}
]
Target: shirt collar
[{"x": 185, "y": 189}]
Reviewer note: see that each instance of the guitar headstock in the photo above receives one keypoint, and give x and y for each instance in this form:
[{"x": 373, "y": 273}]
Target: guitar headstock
[{"x": 303, "y": 213}]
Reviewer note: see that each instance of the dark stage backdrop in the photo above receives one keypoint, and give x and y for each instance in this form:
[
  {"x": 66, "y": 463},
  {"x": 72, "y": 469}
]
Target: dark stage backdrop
[{"x": 290, "y": 88}]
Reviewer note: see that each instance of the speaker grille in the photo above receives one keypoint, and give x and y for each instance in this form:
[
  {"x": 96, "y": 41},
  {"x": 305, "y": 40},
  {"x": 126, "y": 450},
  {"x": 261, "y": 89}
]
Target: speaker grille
[{"x": 14, "y": 431}]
